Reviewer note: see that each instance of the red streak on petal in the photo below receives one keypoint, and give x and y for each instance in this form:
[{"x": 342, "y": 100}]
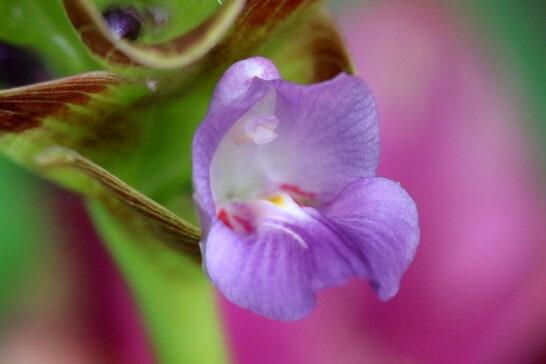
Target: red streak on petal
[
  {"x": 223, "y": 216},
  {"x": 245, "y": 223},
  {"x": 297, "y": 190}
]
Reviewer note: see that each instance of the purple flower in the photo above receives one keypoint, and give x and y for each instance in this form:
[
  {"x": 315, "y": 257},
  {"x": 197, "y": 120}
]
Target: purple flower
[{"x": 287, "y": 194}]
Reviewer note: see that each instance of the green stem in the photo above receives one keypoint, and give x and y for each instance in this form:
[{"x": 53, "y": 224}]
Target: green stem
[{"x": 175, "y": 299}]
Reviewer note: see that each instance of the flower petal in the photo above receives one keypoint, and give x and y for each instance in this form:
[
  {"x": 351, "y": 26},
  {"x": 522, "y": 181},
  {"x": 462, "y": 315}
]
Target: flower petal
[
  {"x": 275, "y": 271},
  {"x": 370, "y": 231},
  {"x": 380, "y": 218},
  {"x": 325, "y": 137},
  {"x": 267, "y": 273},
  {"x": 234, "y": 95},
  {"x": 328, "y": 136},
  {"x": 286, "y": 193},
  {"x": 236, "y": 81}
]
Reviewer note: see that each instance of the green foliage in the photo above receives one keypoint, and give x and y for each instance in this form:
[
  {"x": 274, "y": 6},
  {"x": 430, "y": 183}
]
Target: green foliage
[
  {"x": 165, "y": 19},
  {"x": 153, "y": 57},
  {"x": 122, "y": 137},
  {"x": 172, "y": 293},
  {"x": 44, "y": 27}
]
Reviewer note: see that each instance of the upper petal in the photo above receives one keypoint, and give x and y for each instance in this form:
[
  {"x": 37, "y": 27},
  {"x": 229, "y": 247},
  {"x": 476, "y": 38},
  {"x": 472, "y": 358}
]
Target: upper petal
[
  {"x": 315, "y": 139},
  {"x": 380, "y": 219},
  {"x": 321, "y": 138},
  {"x": 235, "y": 82},
  {"x": 328, "y": 136},
  {"x": 234, "y": 95}
]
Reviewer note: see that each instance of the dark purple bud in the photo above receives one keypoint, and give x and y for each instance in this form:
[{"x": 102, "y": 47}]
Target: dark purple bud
[
  {"x": 19, "y": 66},
  {"x": 123, "y": 23}
]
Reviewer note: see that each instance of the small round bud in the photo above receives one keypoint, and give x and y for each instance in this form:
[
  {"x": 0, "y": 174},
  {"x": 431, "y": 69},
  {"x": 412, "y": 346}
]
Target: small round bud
[{"x": 123, "y": 23}]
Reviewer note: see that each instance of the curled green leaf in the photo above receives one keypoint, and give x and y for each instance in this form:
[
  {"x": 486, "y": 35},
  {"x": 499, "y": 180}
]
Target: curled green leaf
[
  {"x": 126, "y": 57},
  {"x": 50, "y": 126},
  {"x": 120, "y": 141},
  {"x": 86, "y": 113},
  {"x": 316, "y": 51},
  {"x": 298, "y": 35},
  {"x": 259, "y": 19},
  {"x": 129, "y": 205}
]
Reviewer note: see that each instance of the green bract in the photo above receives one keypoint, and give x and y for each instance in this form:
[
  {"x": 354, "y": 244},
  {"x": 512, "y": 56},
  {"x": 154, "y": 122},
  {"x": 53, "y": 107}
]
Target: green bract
[{"x": 118, "y": 128}]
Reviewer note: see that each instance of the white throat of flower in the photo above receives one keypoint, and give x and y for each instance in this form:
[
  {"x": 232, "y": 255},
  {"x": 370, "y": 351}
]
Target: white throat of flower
[{"x": 243, "y": 180}]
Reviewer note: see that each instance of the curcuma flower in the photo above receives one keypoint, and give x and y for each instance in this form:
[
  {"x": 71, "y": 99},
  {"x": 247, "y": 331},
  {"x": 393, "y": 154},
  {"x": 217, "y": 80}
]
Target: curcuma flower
[{"x": 287, "y": 196}]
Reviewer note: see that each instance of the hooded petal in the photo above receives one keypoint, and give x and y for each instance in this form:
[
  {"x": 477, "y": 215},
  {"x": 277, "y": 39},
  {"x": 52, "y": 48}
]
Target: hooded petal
[
  {"x": 234, "y": 84},
  {"x": 380, "y": 219},
  {"x": 328, "y": 136},
  {"x": 286, "y": 193},
  {"x": 313, "y": 140},
  {"x": 234, "y": 95}
]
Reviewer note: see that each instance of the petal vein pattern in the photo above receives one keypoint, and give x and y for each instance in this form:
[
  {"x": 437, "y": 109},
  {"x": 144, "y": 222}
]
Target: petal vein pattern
[{"x": 287, "y": 196}]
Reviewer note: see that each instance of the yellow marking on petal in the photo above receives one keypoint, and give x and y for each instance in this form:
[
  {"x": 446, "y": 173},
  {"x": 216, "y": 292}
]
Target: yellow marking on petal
[{"x": 277, "y": 200}]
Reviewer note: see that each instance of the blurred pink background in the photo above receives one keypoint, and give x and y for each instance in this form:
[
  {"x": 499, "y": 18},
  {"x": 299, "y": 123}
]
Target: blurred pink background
[{"x": 453, "y": 133}]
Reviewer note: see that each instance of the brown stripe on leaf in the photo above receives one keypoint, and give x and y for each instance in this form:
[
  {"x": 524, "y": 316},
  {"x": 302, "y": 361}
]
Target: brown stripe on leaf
[
  {"x": 316, "y": 51},
  {"x": 327, "y": 48},
  {"x": 11, "y": 122},
  {"x": 189, "y": 40},
  {"x": 259, "y": 21},
  {"x": 52, "y": 95},
  {"x": 260, "y": 17},
  {"x": 22, "y": 108},
  {"x": 94, "y": 37},
  {"x": 36, "y": 108},
  {"x": 177, "y": 53}
]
